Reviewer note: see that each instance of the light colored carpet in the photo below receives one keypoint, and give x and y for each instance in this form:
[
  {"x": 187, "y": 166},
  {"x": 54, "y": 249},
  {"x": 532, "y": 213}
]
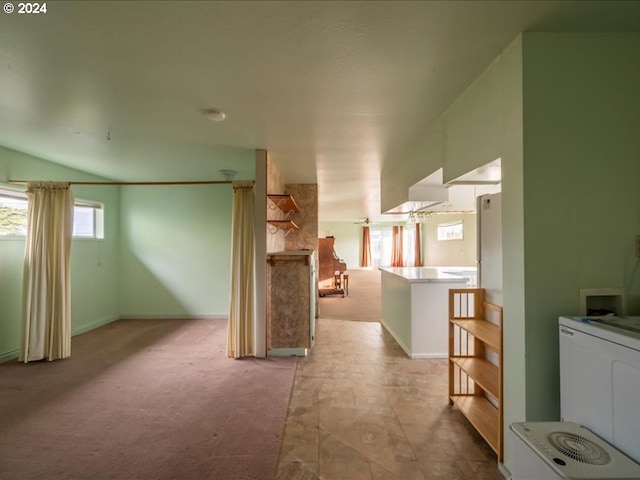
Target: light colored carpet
[
  {"x": 363, "y": 303},
  {"x": 142, "y": 400}
]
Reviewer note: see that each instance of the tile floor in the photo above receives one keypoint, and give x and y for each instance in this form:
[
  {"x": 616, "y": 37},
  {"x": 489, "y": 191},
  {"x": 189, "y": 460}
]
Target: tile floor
[{"x": 361, "y": 409}]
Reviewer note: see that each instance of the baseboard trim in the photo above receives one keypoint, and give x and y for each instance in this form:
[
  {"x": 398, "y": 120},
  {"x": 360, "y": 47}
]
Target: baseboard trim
[
  {"x": 92, "y": 326},
  {"x": 504, "y": 471},
  {"x": 173, "y": 317},
  {"x": 395, "y": 337},
  {"x": 13, "y": 354},
  {"x": 287, "y": 352},
  {"x": 10, "y": 355},
  {"x": 429, "y": 355}
]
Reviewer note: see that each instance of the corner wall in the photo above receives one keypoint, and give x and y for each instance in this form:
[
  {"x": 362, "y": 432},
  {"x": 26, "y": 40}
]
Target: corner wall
[
  {"x": 94, "y": 262},
  {"x": 176, "y": 251}
]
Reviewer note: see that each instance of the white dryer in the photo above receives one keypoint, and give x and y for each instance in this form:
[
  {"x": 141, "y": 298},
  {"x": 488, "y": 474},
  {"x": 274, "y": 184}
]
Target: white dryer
[
  {"x": 600, "y": 378},
  {"x": 600, "y": 390}
]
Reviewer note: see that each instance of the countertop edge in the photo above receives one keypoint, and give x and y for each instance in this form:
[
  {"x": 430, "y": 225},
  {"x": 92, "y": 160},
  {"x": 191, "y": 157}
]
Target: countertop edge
[{"x": 440, "y": 278}]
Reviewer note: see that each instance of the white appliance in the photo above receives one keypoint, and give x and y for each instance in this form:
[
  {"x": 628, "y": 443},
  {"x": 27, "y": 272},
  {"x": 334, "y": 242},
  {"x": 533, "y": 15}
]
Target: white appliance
[
  {"x": 600, "y": 377},
  {"x": 599, "y": 436},
  {"x": 489, "y": 234},
  {"x": 565, "y": 450}
]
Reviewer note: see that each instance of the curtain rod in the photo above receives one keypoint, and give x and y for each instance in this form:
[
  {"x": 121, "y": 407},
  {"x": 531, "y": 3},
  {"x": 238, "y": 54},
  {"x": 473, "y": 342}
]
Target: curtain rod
[{"x": 198, "y": 182}]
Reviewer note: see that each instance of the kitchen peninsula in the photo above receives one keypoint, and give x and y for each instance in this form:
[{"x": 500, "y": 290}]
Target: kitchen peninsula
[{"x": 415, "y": 306}]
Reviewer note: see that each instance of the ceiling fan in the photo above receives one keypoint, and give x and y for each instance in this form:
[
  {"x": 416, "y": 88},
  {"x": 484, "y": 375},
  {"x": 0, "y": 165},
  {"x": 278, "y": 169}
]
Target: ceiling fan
[{"x": 366, "y": 221}]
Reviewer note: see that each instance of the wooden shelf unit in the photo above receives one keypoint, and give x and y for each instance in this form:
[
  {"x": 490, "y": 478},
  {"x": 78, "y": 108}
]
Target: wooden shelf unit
[
  {"x": 475, "y": 362},
  {"x": 284, "y": 202}
]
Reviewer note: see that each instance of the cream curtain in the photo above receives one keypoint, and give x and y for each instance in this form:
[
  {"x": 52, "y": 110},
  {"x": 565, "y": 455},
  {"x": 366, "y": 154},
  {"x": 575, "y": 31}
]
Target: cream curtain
[
  {"x": 240, "y": 331},
  {"x": 46, "y": 326}
]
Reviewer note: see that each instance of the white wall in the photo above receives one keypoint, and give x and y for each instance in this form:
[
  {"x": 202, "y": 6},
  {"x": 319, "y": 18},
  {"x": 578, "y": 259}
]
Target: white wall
[{"x": 450, "y": 252}]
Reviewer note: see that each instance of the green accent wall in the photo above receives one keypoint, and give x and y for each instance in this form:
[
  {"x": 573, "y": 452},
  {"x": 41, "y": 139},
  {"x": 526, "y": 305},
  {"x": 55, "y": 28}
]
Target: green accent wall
[
  {"x": 581, "y": 103},
  {"x": 94, "y": 263},
  {"x": 176, "y": 250},
  {"x": 166, "y": 251}
]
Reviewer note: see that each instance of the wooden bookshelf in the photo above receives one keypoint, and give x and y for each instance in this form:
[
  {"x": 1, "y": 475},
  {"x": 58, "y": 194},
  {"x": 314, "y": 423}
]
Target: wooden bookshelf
[{"x": 475, "y": 362}]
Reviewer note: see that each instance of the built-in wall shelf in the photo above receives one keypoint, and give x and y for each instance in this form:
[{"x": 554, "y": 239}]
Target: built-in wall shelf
[
  {"x": 284, "y": 202},
  {"x": 285, "y": 225}
]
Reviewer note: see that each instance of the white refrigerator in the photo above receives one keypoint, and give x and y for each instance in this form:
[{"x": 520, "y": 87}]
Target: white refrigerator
[{"x": 489, "y": 234}]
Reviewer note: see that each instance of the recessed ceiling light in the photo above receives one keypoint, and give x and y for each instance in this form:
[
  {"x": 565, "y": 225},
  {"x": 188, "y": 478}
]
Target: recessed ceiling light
[{"x": 213, "y": 114}]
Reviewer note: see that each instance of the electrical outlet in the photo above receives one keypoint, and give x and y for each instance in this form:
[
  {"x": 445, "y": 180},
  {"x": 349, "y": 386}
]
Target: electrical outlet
[{"x": 638, "y": 246}]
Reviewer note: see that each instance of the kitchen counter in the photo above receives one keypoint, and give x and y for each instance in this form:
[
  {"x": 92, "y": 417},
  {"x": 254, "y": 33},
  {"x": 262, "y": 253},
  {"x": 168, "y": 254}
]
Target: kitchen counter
[
  {"x": 415, "y": 306},
  {"x": 432, "y": 274}
]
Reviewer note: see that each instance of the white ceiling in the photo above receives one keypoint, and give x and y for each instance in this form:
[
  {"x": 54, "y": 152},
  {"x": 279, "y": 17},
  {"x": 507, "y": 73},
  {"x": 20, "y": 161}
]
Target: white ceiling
[{"x": 331, "y": 89}]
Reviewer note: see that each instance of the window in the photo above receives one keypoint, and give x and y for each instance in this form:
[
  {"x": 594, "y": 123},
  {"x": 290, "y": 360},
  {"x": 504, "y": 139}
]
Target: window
[
  {"x": 88, "y": 220},
  {"x": 450, "y": 231},
  {"x": 88, "y": 217},
  {"x": 13, "y": 213},
  {"x": 381, "y": 238}
]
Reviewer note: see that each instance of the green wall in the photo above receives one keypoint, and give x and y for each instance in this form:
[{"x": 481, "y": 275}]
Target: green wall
[
  {"x": 562, "y": 111},
  {"x": 94, "y": 269},
  {"x": 166, "y": 252},
  {"x": 581, "y": 102},
  {"x": 513, "y": 273},
  {"x": 176, "y": 250}
]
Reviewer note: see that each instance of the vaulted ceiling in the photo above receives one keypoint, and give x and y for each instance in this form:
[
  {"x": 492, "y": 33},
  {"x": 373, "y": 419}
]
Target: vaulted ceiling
[{"x": 331, "y": 89}]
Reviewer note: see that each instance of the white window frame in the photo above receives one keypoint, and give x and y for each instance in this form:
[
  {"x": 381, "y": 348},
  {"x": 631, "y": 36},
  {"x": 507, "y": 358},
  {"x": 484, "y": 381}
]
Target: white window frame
[
  {"x": 451, "y": 231},
  {"x": 98, "y": 214}
]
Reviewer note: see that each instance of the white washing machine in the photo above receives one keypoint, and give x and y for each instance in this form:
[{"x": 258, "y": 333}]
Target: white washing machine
[
  {"x": 599, "y": 390},
  {"x": 565, "y": 450},
  {"x": 600, "y": 378}
]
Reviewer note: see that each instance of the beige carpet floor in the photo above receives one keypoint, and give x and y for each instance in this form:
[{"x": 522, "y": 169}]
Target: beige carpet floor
[
  {"x": 361, "y": 304},
  {"x": 144, "y": 400}
]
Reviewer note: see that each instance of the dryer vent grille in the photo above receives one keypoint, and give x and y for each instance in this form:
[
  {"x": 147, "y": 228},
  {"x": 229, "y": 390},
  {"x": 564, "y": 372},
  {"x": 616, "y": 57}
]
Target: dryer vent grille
[{"x": 579, "y": 448}]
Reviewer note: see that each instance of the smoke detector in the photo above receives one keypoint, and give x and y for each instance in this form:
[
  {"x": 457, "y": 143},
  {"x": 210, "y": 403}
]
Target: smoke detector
[{"x": 214, "y": 115}]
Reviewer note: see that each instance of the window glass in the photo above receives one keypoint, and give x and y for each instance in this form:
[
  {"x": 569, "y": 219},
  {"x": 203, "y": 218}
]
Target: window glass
[
  {"x": 87, "y": 217},
  {"x": 13, "y": 214},
  {"x": 408, "y": 244},
  {"x": 83, "y": 222},
  {"x": 450, "y": 231},
  {"x": 381, "y": 239}
]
